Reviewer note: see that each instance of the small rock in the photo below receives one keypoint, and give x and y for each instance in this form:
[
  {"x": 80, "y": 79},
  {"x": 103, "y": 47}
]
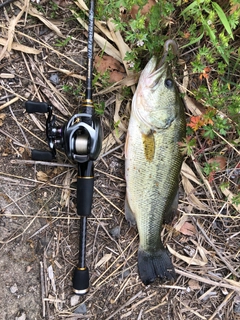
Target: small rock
[
  {"x": 125, "y": 273},
  {"x": 115, "y": 232},
  {"x": 74, "y": 300},
  {"x": 14, "y": 288},
  {"x": 82, "y": 309},
  {"x": 54, "y": 78}
]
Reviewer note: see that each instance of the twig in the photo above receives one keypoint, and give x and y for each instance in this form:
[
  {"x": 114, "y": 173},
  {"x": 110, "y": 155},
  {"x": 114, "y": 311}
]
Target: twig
[
  {"x": 225, "y": 261},
  {"x": 208, "y": 281},
  {"x": 45, "y": 163},
  {"x": 42, "y": 289},
  {"x": 191, "y": 310},
  {"x": 109, "y": 201},
  {"x": 125, "y": 305},
  {"x": 228, "y": 297},
  {"x": 6, "y": 3}
]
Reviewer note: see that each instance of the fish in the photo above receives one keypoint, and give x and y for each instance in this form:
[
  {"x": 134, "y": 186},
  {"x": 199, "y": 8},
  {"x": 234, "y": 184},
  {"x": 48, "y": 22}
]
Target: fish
[{"x": 153, "y": 162}]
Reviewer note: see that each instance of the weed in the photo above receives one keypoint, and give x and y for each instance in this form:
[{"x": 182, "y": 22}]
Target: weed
[
  {"x": 99, "y": 108},
  {"x": 63, "y": 43}
]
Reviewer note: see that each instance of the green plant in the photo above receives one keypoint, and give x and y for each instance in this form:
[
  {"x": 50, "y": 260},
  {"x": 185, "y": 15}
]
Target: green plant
[
  {"x": 63, "y": 43},
  {"x": 99, "y": 108}
]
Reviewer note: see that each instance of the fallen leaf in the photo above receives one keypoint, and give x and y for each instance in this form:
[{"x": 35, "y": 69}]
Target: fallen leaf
[
  {"x": 20, "y": 47},
  {"x": 230, "y": 196},
  {"x": 193, "y": 284},
  {"x": 42, "y": 176},
  {"x": 189, "y": 189},
  {"x": 30, "y": 9},
  {"x": 188, "y": 229},
  {"x": 220, "y": 162},
  {"x": 188, "y": 173},
  {"x": 144, "y": 10},
  {"x": 65, "y": 197},
  {"x": 103, "y": 260},
  {"x": 190, "y": 261},
  {"x": 2, "y": 117},
  {"x": 102, "y": 42},
  {"x": 108, "y": 63}
]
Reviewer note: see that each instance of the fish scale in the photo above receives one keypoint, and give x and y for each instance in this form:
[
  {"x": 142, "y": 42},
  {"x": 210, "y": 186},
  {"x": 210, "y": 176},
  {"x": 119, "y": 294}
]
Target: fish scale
[{"x": 152, "y": 166}]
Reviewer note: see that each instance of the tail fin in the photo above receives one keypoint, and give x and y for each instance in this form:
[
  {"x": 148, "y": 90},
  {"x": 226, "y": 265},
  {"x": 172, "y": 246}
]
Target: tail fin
[{"x": 155, "y": 264}]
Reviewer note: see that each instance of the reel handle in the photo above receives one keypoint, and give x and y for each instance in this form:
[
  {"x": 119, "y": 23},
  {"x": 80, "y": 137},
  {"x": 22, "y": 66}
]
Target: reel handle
[
  {"x": 35, "y": 106},
  {"x": 39, "y": 155}
]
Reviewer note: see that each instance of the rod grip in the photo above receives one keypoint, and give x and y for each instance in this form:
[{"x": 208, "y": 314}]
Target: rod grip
[
  {"x": 84, "y": 195},
  {"x": 35, "y": 106},
  {"x": 40, "y": 155},
  {"x": 81, "y": 280}
]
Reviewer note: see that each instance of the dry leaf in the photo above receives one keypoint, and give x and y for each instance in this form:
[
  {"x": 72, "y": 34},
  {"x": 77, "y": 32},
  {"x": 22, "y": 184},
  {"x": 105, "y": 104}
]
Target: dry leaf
[
  {"x": 194, "y": 285},
  {"x": 188, "y": 229},
  {"x": 103, "y": 260},
  {"x": 188, "y": 173},
  {"x": 189, "y": 189},
  {"x": 144, "y": 10},
  {"x": 42, "y": 176},
  {"x": 122, "y": 46},
  {"x": 230, "y": 196},
  {"x": 35, "y": 13},
  {"x": 194, "y": 106},
  {"x": 117, "y": 118},
  {"x": 205, "y": 181},
  {"x": 108, "y": 63},
  {"x": 220, "y": 161},
  {"x": 11, "y": 32},
  {"x": 103, "y": 43},
  {"x": 190, "y": 261},
  {"x": 20, "y": 47},
  {"x": 65, "y": 197}
]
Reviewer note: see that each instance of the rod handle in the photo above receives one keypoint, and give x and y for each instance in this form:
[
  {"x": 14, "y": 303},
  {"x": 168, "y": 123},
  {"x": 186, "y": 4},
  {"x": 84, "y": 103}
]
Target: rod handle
[
  {"x": 84, "y": 195},
  {"x": 35, "y": 106},
  {"x": 81, "y": 280},
  {"x": 40, "y": 155}
]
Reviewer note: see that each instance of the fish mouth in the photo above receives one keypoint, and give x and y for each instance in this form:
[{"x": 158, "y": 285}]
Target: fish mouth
[{"x": 159, "y": 71}]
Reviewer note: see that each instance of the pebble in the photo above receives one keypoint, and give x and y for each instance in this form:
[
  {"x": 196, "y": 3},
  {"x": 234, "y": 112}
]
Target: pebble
[
  {"x": 115, "y": 232},
  {"x": 14, "y": 288},
  {"x": 54, "y": 78},
  {"x": 82, "y": 309},
  {"x": 74, "y": 300}
]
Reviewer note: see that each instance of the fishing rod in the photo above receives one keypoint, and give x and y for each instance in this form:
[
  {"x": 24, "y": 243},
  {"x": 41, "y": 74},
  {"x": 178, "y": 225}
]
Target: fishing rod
[{"x": 81, "y": 139}]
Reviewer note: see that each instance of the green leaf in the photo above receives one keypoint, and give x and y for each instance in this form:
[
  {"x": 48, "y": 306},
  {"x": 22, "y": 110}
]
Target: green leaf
[
  {"x": 193, "y": 41},
  {"x": 223, "y": 18},
  {"x": 191, "y": 6}
]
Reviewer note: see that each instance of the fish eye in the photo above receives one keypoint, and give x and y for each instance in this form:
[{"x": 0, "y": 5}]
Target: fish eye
[{"x": 168, "y": 83}]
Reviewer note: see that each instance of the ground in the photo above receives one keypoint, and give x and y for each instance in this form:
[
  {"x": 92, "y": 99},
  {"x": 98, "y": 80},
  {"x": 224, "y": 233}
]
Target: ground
[{"x": 39, "y": 227}]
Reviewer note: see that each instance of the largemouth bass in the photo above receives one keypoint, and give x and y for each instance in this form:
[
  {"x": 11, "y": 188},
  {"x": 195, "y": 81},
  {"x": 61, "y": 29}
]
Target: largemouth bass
[{"x": 153, "y": 163}]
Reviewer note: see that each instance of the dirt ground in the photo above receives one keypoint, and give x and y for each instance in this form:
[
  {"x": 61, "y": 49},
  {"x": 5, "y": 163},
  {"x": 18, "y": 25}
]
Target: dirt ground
[{"x": 39, "y": 226}]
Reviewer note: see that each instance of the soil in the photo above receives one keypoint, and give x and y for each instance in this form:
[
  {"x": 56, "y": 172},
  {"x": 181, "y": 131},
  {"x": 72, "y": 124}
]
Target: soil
[{"x": 39, "y": 227}]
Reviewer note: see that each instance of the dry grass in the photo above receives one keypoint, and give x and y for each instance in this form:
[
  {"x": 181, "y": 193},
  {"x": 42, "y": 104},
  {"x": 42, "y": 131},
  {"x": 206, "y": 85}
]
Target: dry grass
[{"x": 38, "y": 220}]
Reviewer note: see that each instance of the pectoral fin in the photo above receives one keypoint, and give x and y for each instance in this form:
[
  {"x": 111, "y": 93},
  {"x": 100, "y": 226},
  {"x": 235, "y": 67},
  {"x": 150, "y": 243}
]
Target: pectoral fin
[
  {"x": 168, "y": 217},
  {"x": 129, "y": 215}
]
